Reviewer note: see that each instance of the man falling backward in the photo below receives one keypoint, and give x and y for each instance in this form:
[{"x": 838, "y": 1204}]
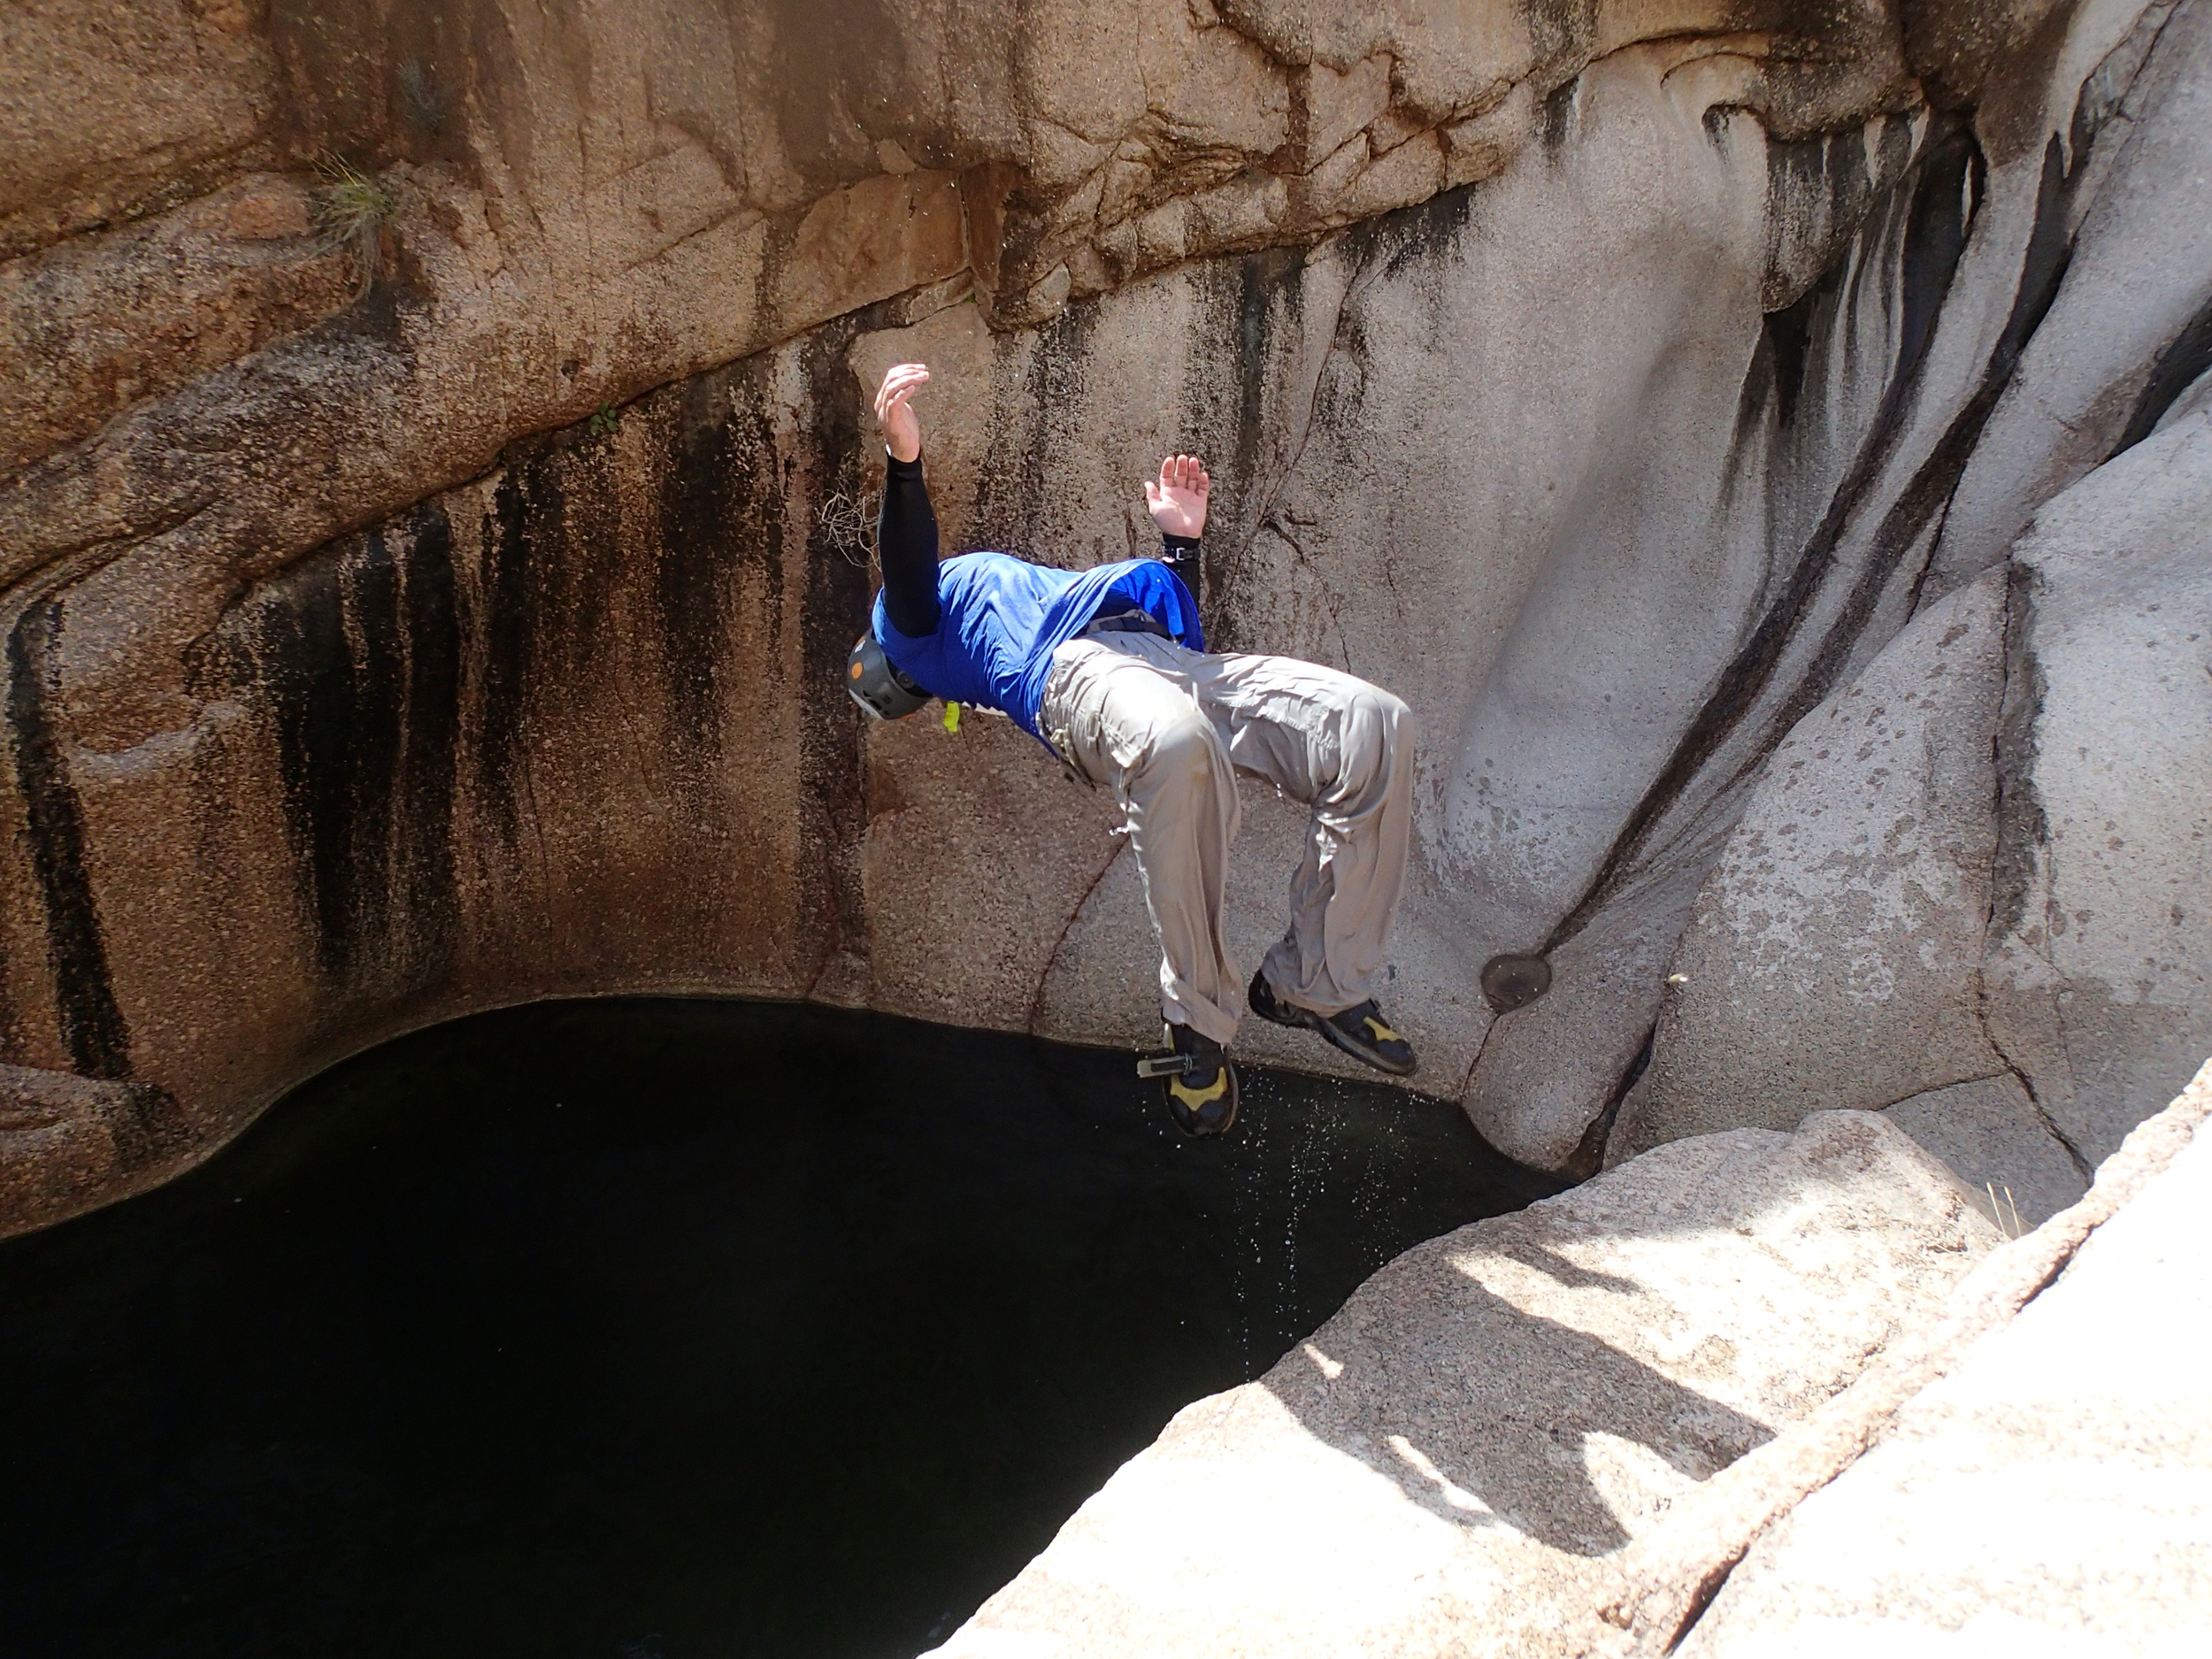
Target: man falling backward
[{"x": 1109, "y": 668}]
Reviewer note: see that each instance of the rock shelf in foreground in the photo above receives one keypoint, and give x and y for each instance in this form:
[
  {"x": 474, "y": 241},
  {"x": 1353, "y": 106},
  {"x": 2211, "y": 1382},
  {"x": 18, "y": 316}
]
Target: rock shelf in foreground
[
  {"x": 1499, "y": 1411},
  {"x": 1562, "y": 1433}
]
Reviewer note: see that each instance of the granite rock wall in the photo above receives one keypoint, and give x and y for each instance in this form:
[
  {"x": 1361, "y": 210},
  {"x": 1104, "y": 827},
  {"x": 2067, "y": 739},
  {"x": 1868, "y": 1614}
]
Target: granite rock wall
[{"x": 392, "y": 636}]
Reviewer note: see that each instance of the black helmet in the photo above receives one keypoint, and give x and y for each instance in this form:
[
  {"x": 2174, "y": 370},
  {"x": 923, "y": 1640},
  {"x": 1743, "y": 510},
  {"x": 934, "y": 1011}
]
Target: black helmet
[{"x": 876, "y": 683}]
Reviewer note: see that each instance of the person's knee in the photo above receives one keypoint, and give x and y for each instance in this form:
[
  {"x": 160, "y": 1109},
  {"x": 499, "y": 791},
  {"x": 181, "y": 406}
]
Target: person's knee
[
  {"x": 1392, "y": 716},
  {"x": 1381, "y": 722},
  {"x": 1375, "y": 746}
]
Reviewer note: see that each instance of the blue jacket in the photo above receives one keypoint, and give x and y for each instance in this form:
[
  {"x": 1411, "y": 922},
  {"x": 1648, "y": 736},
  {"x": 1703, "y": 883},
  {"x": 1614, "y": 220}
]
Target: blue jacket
[{"x": 1001, "y": 619}]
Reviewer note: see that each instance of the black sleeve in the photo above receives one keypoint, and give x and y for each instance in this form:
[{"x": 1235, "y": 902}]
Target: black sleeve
[
  {"x": 1179, "y": 554},
  {"x": 906, "y": 547}
]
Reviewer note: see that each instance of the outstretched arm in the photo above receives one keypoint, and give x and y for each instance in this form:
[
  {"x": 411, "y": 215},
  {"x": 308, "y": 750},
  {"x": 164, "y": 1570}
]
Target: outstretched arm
[
  {"x": 1178, "y": 505},
  {"x": 906, "y": 529}
]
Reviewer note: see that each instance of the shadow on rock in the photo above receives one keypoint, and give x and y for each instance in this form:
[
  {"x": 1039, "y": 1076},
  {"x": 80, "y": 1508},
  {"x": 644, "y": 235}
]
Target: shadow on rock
[
  {"x": 1570, "y": 1370},
  {"x": 1517, "y": 1418}
]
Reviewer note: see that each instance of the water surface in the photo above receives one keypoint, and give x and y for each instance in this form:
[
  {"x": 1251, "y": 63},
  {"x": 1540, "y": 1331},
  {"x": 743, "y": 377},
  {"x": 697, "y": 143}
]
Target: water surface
[{"x": 661, "y": 1330}]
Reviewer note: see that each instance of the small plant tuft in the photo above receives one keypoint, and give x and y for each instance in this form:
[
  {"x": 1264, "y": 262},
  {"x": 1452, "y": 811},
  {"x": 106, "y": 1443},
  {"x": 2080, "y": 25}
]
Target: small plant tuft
[
  {"x": 352, "y": 207},
  {"x": 604, "y": 422}
]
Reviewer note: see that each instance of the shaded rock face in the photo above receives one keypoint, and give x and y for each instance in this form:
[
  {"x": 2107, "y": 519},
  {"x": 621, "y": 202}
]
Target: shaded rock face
[
  {"x": 1833, "y": 956},
  {"x": 67, "y": 1136},
  {"x": 1980, "y": 864},
  {"x": 1613, "y": 386},
  {"x": 1886, "y": 924}
]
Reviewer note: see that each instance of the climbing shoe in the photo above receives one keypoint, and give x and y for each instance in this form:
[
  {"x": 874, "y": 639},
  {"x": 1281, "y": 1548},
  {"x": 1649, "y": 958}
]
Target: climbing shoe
[
  {"x": 1200, "y": 1084},
  {"x": 1360, "y": 1031}
]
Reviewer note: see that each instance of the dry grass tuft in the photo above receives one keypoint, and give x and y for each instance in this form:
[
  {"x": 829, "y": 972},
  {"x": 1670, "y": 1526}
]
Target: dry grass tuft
[{"x": 2003, "y": 1211}]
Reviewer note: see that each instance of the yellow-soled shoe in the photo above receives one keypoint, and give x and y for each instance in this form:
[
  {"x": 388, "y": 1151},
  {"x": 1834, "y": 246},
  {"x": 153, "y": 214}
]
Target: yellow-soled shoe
[
  {"x": 1361, "y": 1031},
  {"x": 1203, "y": 1099}
]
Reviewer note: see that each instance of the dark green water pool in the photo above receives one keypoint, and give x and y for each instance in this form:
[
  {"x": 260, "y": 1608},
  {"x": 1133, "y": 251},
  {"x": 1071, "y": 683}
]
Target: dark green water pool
[{"x": 661, "y": 1330}]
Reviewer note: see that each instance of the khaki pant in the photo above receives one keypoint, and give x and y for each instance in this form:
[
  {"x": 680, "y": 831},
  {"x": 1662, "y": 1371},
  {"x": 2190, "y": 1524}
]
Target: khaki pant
[{"x": 1167, "y": 729}]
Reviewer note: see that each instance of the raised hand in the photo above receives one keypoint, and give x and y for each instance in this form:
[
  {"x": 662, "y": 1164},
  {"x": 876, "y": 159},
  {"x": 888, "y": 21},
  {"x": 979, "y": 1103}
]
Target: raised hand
[
  {"x": 900, "y": 426},
  {"x": 1178, "y": 502}
]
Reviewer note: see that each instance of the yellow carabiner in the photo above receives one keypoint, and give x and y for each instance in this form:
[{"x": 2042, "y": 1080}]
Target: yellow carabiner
[{"x": 952, "y": 720}]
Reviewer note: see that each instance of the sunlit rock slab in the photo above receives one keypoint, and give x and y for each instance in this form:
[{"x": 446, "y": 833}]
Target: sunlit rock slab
[
  {"x": 1499, "y": 1410},
  {"x": 2051, "y": 1496}
]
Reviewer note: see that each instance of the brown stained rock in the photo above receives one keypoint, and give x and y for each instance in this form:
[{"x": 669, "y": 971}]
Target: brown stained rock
[
  {"x": 1380, "y": 107},
  {"x": 881, "y": 237},
  {"x": 67, "y": 1142},
  {"x": 269, "y": 209},
  {"x": 1956, "y": 49},
  {"x": 386, "y": 392},
  {"x": 426, "y": 726},
  {"x": 110, "y": 110},
  {"x": 1338, "y": 106},
  {"x": 564, "y": 161},
  {"x": 105, "y": 320}
]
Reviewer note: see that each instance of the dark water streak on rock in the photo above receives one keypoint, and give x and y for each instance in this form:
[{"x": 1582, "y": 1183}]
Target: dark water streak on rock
[{"x": 91, "y": 1021}]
